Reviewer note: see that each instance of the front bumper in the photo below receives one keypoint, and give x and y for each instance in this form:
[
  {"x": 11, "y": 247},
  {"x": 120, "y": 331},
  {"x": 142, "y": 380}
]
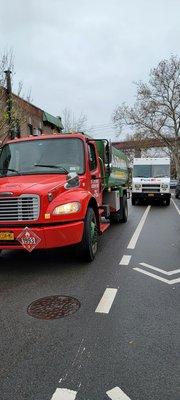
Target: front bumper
[
  {"x": 150, "y": 195},
  {"x": 50, "y": 236}
]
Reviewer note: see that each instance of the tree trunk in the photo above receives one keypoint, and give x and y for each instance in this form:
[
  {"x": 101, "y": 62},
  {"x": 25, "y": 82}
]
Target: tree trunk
[{"x": 177, "y": 164}]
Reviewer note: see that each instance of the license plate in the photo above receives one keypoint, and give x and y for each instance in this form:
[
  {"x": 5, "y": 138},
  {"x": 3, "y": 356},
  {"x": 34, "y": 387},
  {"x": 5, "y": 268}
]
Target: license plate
[
  {"x": 6, "y": 236},
  {"x": 151, "y": 194}
]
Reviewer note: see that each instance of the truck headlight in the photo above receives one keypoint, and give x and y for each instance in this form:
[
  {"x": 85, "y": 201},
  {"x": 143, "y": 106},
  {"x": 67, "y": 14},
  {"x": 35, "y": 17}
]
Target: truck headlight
[
  {"x": 164, "y": 185},
  {"x": 68, "y": 208},
  {"x": 137, "y": 185}
]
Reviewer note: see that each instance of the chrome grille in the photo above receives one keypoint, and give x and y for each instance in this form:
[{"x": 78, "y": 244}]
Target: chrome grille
[
  {"x": 22, "y": 208},
  {"x": 147, "y": 185},
  {"x": 152, "y": 188}
]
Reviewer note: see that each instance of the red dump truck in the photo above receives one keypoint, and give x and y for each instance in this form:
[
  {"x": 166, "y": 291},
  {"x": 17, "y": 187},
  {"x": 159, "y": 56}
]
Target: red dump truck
[{"x": 60, "y": 190}]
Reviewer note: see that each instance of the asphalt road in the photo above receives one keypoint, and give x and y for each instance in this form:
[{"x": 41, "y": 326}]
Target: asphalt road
[{"x": 122, "y": 347}]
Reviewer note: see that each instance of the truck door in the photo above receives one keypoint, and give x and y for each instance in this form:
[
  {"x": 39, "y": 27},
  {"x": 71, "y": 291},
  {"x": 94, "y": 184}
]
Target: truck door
[{"x": 95, "y": 178}]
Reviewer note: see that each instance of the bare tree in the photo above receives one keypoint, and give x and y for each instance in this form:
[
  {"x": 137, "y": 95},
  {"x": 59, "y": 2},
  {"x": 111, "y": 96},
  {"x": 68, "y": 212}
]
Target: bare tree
[
  {"x": 6, "y": 63},
  {"x": 17, "y": 117},
  {"x": 73, "y": 123},
  {"x": 156, "y": 112}
]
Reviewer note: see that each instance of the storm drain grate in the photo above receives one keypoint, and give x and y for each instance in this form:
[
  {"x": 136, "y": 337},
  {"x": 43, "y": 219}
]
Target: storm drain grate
[{"x": 53, "y": 307}]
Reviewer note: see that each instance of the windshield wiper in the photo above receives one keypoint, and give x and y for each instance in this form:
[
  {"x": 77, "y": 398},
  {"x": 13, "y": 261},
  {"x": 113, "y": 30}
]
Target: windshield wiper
[
  {"x": 52, "y": 166},
  {"x": 11, "y": 170},
  {"x": 140, "y": 176}
]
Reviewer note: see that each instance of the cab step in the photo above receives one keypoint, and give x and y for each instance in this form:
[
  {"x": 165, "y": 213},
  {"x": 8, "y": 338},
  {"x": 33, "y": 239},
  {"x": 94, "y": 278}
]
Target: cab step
[
  {"x": 104, "y": 226},
  {"x": 105, "y": 210}
]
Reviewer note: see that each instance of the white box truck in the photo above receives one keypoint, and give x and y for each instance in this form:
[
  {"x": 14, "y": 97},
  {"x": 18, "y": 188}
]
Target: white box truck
[{"x": 151, "y": 180}]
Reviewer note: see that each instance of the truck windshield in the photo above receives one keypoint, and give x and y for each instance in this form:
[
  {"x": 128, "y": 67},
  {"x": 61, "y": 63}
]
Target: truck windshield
[
  {"x": 52, "y": 156},
  {"x": 151, "y": 171}
]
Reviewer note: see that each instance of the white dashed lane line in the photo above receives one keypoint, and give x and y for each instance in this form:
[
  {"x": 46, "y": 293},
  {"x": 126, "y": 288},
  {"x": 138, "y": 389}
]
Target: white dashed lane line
[
  {"x": 64, "y": 394},
  {"x": 134, "y": 239},
  {"x": 106, "y": 301},
  {"x": 117, "y": 394},
  {"x": 175, "y": 206},
  {"x": 125, "y": 260}
]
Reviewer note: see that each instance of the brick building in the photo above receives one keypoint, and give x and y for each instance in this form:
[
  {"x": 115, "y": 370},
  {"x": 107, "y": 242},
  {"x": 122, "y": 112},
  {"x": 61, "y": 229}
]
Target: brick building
[{"x": 27, "y": 118}]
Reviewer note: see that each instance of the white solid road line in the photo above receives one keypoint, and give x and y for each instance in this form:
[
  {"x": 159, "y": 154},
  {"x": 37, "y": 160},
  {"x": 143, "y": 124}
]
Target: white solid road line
[
  {"x": 159, "y": 278},
  {"x": 64, "y": 394},
  {"x": 106, "y": 301},
  {"x": 176, "y": 206},
  {"x": 175, "y": 271},
  {"x": 125, "y": 260},
  {"x": 117, "y": 394},
  {"x": 138, "y": 230}
]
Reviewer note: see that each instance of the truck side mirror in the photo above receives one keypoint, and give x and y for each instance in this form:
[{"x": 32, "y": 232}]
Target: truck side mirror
[{"x": 72, "y": 180}]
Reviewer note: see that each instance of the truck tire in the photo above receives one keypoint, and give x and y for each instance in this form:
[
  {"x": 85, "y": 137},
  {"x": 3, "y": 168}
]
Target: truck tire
[
  {"x": 133, "y": 201},
  {"x": 167, "y": 202},
  {"x": 125, "y": 209},
  {"x": 122, "y": 214},
  {"x": 89, "y": 244}
]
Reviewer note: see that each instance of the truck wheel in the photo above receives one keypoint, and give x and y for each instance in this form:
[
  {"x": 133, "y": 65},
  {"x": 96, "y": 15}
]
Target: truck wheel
[
  {"x": 122, "y": 214},
  {"x": 167, "y": 202},
  {"x": 115, "y": 218},
  {"x": 89, "y": 244},
  {"x": 133, "y": 201},
  {"x": 125, "y": 209}
]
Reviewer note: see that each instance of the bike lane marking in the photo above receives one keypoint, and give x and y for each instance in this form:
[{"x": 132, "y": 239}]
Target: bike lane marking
[
  {"x": 159, "y": 278},
  {"x": 162, "y": 271}
]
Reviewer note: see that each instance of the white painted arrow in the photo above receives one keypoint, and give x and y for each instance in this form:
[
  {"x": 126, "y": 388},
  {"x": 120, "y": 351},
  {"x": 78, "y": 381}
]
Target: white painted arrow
[
  {"x": 175, "y": 271},
  {"x": 159, "y": 278},
  {"x": 117, "y": 394}
]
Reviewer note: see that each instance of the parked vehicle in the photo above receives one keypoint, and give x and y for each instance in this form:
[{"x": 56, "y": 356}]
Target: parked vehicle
[
  {"x": 177, "y": 190},
  {"x": 59, "y": 190},
  {"x": 151, "y": 180},
  {"x": 173, "y": 183}
]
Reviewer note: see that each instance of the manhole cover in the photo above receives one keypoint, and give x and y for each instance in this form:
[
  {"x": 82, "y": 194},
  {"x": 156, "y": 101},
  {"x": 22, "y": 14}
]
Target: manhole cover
[{"x": 53, "y": 307}]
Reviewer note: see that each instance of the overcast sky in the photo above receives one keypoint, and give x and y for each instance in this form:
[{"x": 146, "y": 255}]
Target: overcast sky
[{"x": 85, "y": 54}]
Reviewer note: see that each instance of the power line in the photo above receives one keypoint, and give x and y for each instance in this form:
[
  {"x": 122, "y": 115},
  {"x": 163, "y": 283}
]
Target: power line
[{"x": 102, "y": 127}]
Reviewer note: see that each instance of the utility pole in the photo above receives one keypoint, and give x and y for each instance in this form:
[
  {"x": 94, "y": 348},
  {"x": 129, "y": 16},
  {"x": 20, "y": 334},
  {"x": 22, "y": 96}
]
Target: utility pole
[{"x": 9, "y": 103}]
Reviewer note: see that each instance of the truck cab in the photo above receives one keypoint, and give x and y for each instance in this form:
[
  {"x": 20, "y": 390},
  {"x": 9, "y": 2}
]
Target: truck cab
[{"x": 52, "y": 193}]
